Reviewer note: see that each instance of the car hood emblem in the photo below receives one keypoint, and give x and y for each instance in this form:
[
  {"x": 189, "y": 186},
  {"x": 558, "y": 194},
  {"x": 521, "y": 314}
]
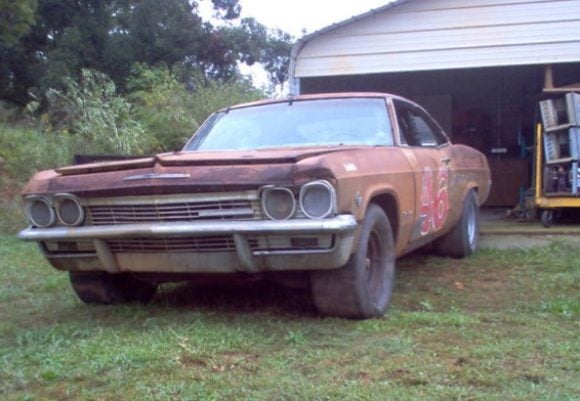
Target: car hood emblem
[{"x": 155, "y": 176}]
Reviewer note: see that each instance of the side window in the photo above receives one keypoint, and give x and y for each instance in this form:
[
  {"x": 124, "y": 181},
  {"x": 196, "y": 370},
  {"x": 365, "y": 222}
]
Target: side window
[{"x": 416, "y": 127}]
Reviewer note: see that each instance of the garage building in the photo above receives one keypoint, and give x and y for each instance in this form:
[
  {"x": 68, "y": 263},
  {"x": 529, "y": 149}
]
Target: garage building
[{"x": 479, "y": 66}]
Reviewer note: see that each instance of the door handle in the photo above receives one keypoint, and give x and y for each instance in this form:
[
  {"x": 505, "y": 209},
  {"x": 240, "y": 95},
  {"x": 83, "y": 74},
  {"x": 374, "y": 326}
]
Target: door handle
[{"x": 446, "y": 160}]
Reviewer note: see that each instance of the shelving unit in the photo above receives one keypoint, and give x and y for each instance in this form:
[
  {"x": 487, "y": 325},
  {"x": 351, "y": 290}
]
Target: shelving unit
[{"x": 558, "y": 156}]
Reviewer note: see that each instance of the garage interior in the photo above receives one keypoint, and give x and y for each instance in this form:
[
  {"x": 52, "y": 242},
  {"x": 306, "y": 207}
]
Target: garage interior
[{"x": 492, "y": 109}]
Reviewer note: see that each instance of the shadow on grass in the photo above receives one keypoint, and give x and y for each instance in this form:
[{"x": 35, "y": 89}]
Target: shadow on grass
[{"x": 244, "y": 298}]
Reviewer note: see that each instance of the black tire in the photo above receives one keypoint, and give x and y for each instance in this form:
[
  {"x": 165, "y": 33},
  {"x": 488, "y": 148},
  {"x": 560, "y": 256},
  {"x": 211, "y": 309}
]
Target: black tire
[
  {"x": 362, "y": 288},
  {"x": 463, "y": 239},
  {"x": 106, "y": 288},
  {"x": 547, "y": 218}
]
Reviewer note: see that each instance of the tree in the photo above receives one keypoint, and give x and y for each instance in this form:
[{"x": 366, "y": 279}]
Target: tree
[
  {"x": 16, "y": 17},
  {"x": 112, "y": 35}
]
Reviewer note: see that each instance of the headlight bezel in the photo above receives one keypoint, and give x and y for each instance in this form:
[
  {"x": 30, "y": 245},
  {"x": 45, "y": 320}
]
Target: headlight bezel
[
  {"x": 298, "y": 194},
  {"x": 265, "y": 192},
  {"x": 28, "y": 205},
  {"x": 53, "y": 204},
  {"x": 58, "y": 201},
  {"x": 329, "y": 188}
]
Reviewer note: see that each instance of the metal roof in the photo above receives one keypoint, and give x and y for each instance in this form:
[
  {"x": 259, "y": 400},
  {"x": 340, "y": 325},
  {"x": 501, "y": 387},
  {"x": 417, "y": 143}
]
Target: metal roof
[
  {"x": 405, "y": 35},
  {"x": 305, "y": 39}
]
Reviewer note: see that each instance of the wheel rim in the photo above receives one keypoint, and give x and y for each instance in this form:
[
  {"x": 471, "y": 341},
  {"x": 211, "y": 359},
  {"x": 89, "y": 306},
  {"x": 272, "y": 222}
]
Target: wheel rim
[
  {"x": 471, "y": 226},
  {"x": 373, "y": 264}
]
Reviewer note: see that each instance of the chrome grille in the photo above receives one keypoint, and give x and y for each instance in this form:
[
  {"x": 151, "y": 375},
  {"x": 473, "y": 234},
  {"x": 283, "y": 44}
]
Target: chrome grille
[
  {"x": 172, "y": 209},
  {"x": 212, "y": 244},
  {"x": 182, "y": 244}
]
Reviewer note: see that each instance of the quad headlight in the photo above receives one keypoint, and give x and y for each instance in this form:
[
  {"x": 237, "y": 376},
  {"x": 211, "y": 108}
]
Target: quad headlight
[
  {"x": 39, "y": 211},
  {"x": 316, "y": 200},
  {"x": 69, "y": 210},
  {"x": 64, "y": 209},
  {"x": 278, "y": 203}
]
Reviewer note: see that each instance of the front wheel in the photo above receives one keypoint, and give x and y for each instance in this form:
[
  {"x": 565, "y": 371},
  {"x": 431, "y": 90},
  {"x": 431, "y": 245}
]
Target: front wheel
[
  {"x": 362, "y": 288},
  {"x": 106, "y": 288},
  {"x": 463, "y": 239}
]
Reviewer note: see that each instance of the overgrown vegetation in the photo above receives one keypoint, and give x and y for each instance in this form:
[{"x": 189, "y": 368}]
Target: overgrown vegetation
[
  {"x": 100, "y": 119},
  {"x": 501, "y": 325},
  {"x": 159, "y": 113},
  {"x": 24, "y": 151},
  {"x": 129, "y": 77}
]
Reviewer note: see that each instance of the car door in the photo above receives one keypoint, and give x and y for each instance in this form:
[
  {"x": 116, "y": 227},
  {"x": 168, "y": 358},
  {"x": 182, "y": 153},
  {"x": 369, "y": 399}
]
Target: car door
[{"x": 428, "y": 150}]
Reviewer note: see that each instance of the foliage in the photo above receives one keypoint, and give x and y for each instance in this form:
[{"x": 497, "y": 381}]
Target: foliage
[
  {"x": 23, "y": 152},
  {"x": 210, "y": 96},
  {"x": 492, "y": 340},
  {"x": 16, "y": 17},
  {"x": 163, "y": 107},
  {"x": 112, "y": 35},
  {"x": 95, "y": 114},
  {"x": 270, "y": 48},
  {"x": 170, "y": 113},
  {"x": 158, "y": 114}
]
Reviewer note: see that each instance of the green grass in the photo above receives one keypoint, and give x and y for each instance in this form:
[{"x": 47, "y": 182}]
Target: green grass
[{"x": 502, "y": 325}]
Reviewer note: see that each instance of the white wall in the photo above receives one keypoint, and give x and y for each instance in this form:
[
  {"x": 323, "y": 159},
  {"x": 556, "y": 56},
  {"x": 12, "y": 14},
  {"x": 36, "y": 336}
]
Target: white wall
[{"x": 422, "y": 35}]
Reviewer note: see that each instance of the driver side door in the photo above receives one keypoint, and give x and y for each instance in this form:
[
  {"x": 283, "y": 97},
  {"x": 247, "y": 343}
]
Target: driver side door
[{"x": 428, "y": 150}]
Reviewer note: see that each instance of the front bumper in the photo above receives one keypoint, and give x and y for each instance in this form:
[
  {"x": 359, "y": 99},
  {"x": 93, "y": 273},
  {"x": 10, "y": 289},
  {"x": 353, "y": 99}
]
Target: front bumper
[{"x": 241, "y": 258}]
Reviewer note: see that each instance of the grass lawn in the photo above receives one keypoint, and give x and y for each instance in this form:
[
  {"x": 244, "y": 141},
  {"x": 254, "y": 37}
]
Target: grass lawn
[{"x": 502, "y": 325}]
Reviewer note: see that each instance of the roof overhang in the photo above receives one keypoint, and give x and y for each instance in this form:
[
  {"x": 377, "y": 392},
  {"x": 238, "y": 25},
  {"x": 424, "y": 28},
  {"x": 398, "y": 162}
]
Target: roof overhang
[{"x": 305, "y": 39}]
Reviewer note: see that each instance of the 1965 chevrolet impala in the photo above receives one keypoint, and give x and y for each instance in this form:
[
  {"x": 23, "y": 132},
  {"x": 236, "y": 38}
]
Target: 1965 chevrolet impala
[{"x": 332, "y": 188}]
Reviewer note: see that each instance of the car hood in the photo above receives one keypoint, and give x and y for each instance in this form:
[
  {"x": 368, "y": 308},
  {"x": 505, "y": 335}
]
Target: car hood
[
  {"x": 274, "y": 156},
  {"x": 182, "y": 172}
]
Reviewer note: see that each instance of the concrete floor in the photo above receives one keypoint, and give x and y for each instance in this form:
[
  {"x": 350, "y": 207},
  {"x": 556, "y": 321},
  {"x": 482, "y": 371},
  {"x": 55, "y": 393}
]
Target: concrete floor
[{"x": 500, "y": 232}]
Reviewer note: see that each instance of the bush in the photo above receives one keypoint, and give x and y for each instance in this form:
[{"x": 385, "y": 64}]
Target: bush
[
  {"x": 163, "y": 107},
  {"x": 170, "y": 112},
  {"x": 90, "y": 117},
  {"x": 99, "y": 119},
  {"x": 23, "y": 152},
  {"x": 210, "y": 96}
]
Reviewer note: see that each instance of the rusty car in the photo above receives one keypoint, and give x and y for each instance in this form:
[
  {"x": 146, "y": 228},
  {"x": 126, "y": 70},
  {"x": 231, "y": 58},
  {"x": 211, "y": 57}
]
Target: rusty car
[{"x": 325, "y": 190}]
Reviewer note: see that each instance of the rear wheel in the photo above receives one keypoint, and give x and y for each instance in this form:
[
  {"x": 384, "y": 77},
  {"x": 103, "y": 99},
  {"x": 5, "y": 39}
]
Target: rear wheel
[
  {"x": 362, "y": 288},
  {"x": 106, "y": 288},
  {"x": 547, "y": 218},
  {"x": 463, "y": 239}
]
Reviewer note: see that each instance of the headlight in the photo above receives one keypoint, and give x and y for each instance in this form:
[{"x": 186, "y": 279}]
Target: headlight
[
  {"x": 69, "y": 210},
  {"x": 318, "y": 199},
  {"x": 278, "y": 203},
  {"x": 39, "y": 211}
]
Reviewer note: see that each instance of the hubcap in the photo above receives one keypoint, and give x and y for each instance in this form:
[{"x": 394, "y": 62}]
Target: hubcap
[
  {"x": 372, "y": 262},
  {"x": 471, "y": 226}
]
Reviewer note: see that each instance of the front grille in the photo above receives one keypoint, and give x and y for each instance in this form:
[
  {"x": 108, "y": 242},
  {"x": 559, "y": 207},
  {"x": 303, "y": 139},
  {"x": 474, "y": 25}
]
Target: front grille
[
  {"x": 224, "y": 243},
  {"x": 149, "y": 210},
  {"x": 182, "y": 244}
]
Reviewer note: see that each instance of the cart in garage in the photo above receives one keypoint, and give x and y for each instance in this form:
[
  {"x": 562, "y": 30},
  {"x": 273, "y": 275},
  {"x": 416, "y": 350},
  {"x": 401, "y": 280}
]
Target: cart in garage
[{"x": 557, "y": 168}]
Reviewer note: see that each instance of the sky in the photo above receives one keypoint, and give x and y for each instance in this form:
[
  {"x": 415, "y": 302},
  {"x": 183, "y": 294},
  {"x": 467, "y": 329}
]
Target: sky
[
  {"x": 293, "y": 16},
  {"x": 296, "y": 17}
]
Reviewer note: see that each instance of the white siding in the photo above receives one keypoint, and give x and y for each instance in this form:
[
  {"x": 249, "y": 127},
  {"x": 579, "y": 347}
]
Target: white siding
[{"x": 445, "y": 34}]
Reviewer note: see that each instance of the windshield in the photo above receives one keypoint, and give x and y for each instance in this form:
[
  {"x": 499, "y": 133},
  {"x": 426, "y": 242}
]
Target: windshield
[{"x": 324, "y": 122}]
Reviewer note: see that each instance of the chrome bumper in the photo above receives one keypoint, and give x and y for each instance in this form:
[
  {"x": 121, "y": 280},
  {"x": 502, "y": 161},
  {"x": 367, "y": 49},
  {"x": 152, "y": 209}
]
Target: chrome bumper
[{"x": 244, "y": 258}]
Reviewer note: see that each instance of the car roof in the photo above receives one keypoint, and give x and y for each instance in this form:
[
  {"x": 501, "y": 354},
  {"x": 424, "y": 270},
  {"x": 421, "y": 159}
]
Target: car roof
[{"x": 317, "y": 96}]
